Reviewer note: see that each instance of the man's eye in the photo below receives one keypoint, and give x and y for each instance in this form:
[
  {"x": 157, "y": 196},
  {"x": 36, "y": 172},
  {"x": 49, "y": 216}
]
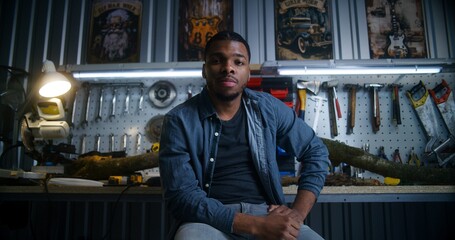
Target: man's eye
[
  {"x": 214, "y": 60},
  {"x": 239, "y": 63}
]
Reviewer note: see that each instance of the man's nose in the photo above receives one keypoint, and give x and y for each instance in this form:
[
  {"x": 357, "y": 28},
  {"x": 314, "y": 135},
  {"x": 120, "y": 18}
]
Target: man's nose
[{"x": 228, "y": 67}]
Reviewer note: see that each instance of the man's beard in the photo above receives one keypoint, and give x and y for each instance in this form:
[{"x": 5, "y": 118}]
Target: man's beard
[{"x": 227, "y": 98}]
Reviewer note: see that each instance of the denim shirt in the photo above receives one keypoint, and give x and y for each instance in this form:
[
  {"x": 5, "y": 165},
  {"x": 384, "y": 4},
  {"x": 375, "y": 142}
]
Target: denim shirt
[{"x": 188, "y": 148}]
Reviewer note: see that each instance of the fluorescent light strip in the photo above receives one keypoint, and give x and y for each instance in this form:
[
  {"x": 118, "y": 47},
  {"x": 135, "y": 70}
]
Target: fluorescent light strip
[
  {"x": 138, "y": 74},
  {"x": 357, "y": 71}
]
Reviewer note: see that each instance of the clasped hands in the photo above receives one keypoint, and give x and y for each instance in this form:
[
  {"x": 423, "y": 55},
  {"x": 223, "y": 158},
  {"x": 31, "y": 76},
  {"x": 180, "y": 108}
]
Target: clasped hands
[{"x": 282, "y": 222}]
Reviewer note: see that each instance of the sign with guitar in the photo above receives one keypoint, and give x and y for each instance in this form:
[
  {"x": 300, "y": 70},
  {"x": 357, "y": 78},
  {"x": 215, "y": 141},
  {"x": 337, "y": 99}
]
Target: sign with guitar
[
  {"x": 198, "y": 22},
  {"x": 396, "y": 29}
]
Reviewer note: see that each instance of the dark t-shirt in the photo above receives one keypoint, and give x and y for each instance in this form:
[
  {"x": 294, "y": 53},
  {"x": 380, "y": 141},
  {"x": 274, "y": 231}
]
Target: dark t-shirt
[{"x": 235, "y": 178}]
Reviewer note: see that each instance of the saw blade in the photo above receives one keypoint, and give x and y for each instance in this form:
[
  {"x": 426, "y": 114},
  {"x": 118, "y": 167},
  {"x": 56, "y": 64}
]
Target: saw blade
[
  {"x": 153, "y": 128},
  {"x": 162, "y": 94}
]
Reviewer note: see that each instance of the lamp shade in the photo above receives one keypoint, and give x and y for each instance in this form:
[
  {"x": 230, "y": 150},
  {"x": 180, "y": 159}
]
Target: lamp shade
[{"x": 53, "y": 83}]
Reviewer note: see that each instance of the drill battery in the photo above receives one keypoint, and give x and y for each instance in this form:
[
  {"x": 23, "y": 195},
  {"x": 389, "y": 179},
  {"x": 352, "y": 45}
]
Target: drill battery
[{"x": 125, "y": 180}]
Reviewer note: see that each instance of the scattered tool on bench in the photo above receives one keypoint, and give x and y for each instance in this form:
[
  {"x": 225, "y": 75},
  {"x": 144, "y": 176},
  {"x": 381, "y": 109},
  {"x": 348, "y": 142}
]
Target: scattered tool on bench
[
  {"x": 375, "y": 103},
  {"x": 396, "y": 112},
  {"x": 352, "y": 88},
  {"x": 302, "y": 88}
]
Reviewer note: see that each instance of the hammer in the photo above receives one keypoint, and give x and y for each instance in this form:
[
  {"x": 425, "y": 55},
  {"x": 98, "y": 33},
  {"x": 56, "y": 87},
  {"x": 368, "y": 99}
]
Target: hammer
[
  {"x": 352, "y": 88},
  {"x": 376, "y": 113},
  {"x": 333, "y": 100},
  {"x": 396, "y": 113},
  {"x": 333, "y": 85},
  {"x": 302, "y": 87}
]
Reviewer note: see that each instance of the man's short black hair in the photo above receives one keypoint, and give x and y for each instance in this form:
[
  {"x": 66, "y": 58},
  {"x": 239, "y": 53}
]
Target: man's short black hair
[{"x": 227, "y": 35}]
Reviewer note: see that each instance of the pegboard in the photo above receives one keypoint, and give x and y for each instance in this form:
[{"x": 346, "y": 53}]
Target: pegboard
[
  {"x": 126, "y": 129},
  {"x": 407, "y": 136},
  {"x": 123, "y": 128}
]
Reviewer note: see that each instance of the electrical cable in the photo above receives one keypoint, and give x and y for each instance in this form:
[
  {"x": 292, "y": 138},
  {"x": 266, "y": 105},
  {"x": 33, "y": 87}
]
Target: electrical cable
[{"x": 114, "y": 210}]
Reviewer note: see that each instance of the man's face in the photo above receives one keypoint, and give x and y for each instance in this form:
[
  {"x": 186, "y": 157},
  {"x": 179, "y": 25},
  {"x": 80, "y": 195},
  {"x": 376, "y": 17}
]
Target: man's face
[{"x": 226, "y": 69}]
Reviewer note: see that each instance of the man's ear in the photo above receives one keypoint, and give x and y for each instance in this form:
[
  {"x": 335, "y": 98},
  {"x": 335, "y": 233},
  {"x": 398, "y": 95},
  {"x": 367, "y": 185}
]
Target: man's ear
[{"x": 203, "y": 71}]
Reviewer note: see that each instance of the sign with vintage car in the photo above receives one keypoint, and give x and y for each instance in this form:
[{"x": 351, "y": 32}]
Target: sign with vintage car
[{"x": 302, "y": 30}]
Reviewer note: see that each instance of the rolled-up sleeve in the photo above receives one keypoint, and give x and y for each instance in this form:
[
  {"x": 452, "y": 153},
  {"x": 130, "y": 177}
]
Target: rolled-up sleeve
[{"x": 299, "y": 139}]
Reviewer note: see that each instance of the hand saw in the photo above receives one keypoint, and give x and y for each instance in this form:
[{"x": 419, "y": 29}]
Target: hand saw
[
  {"x": 443, "y": 98},
  {"x": 418, "y": 95}
]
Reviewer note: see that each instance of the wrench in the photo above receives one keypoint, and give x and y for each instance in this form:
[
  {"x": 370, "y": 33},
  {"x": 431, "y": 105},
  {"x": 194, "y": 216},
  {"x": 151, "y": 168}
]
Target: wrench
[
  {"x": 70, "y": 142},
  {"x": 73, "y": 111},
  {"x": 127, "y": 101},
  {"x": 112, "y": 143},
  {"x": 189, "y": 91},
  {"x": 114, "y": 99},
  {"x": 100, "y": 105},
  {"x": 125, "y": 142},
  {"x": 98, "y": 142},
  {"x": 87, "y": 106},
  {"x": 141, "y": 100},
  {"x": 138, "y": 143},
  {"x": 83, "y": 143}
]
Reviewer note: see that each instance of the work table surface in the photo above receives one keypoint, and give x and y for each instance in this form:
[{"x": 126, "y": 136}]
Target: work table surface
[{"x": 433, "y": 193}]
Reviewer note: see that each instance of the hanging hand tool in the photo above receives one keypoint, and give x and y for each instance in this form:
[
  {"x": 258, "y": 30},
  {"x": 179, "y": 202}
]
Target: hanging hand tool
[
  {"x": 396, "y": 156},
  {"x": 302, "y": 87},
  {"x": 125, "y": 142},
  {"x": 114, "y": 99},
  {"x": 100, "y": 105},
  {"x": 413, "y": 159},
  {"x": 319, "y": 102},
  {"x": 352, "y": 88},
  {"x": 375, "y": 103},
  {"x": 73, "y": 110},
  {"x": 189, "y": 91},
  {"x": 88, "y": 91},
  {"x": 83, "y": 136},
  {"x": 444, "y": 151},
  {"x": 330, "y": 86},
  {"x": 141, "y": 99},
  {"x": 396, "y": 112},
  {"x": 97, "y": 142},
  {"x": 418, "y": 95},
  {"x": 112, "y": 142},
  {"x": 443, "y": 98},
  {"x": 127, "y": 101},
  {"x": 138, "y": 143},
  {"x": 382, "y": 153}
]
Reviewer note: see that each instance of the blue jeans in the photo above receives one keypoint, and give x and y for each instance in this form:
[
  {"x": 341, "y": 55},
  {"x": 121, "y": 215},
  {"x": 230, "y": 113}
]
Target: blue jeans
[{"x": 198, "y": 231}]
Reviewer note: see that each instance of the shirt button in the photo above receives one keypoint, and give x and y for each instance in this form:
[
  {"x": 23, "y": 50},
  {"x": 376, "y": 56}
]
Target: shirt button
[
  {"x": 212, "y": 160},
  {"x": 206, "y": 185},
  {"x": 216, "y": 134}
]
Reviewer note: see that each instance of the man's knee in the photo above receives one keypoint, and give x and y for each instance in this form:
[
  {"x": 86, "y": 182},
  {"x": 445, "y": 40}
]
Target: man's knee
[
  {"x": 308, "y": 233},
  {"x": 199, "y": 231}
]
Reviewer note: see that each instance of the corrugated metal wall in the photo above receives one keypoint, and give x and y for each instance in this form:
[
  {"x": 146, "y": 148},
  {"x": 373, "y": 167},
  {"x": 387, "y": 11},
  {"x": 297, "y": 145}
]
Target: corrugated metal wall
[{"x": 34, "y": 30}]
